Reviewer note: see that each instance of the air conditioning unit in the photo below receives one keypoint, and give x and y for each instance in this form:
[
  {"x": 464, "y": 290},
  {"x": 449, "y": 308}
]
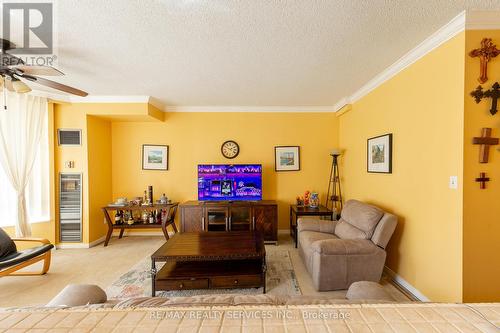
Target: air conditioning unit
[{"x": 69, "y": 137}]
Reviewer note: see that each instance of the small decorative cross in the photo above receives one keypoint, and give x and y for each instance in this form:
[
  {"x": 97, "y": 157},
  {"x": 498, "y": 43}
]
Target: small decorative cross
[
  {"x": 482, "y": 179},
  {"x": 478, "y": 94},
  {"x": 493, "y": 93},
  {"x": 485, "y": 141},
  {"x": 485, "y": 54}
]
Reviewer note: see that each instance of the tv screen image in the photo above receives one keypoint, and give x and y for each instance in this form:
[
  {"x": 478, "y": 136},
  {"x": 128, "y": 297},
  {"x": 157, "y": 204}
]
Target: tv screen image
[{"x": 229, "y": 182}]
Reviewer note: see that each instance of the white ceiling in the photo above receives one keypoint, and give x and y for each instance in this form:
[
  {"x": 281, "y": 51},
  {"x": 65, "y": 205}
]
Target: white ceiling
[{"x": 234, "y": 53}]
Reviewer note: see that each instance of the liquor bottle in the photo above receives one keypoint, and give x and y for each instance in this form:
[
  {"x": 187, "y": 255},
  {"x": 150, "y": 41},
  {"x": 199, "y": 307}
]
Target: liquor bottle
[
  {"x": 145, "y": 199},
  {"x": 158, "y": 216},
  {"x": 118, "y": 217},
  {"x": 150, "y": 194},
  {"x": 145, "y": 217}
]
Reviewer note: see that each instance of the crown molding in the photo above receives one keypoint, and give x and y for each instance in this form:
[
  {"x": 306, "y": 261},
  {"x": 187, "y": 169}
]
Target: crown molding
[
  {"x": 482, "y": 20},
  {"x": 445, "y": 33},
  {"x": 289, "y": 109},
  {"x": 110, "y": 99}
]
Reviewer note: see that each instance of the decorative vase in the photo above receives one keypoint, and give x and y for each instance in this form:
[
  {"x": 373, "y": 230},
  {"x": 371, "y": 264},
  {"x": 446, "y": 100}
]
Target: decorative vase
[{"x": 314, "y": 200}]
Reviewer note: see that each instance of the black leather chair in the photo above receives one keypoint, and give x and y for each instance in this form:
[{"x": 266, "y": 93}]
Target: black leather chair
[{"x": 12, "y": 259}]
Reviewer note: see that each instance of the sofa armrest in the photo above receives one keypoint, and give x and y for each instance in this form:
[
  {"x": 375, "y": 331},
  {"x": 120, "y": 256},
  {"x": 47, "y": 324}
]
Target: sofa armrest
[
  {"x": 384, "y": 230},
  {"x": 315, "y": 224},
  {"x": 344, "y": 247},
  {"x": 31, "y": 239}
]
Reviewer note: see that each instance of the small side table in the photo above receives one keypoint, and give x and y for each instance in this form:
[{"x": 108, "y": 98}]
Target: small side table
[{"x": 296, "y": 212}]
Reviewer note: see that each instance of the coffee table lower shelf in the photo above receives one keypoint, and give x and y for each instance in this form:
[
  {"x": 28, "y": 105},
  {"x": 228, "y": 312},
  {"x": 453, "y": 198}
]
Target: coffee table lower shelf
[{"x": 223, "y": 274}]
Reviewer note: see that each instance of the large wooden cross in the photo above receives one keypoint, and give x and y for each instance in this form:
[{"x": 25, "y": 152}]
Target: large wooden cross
[
  {"x": 485, "y": 54},
  {"x": 485, "y": 141}
]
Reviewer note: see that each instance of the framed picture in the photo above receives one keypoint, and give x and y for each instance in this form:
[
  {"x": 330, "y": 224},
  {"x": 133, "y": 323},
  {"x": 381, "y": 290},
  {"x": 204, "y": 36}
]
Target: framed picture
[
  {"x": 379, "y": 154},
  {"x": 287, "y": 158},
  {"x": 154, "y": 157}
]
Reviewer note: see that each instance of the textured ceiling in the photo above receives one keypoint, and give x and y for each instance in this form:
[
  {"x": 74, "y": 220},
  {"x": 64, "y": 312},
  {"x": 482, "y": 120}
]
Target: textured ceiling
[{"x": 254, "y": 52}]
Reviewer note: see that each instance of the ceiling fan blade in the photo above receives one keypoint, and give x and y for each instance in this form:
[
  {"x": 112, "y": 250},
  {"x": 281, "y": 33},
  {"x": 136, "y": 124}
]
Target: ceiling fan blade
[
  {"x": 8, "y": 85},
  {"x": 38, "y": 70},
  {"x": 6, "y": 44},
  {"x": 55, "y": 85}
]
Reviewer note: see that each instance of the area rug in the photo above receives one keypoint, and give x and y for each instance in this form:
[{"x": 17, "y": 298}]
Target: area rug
[{"x": 280, "y": 280}]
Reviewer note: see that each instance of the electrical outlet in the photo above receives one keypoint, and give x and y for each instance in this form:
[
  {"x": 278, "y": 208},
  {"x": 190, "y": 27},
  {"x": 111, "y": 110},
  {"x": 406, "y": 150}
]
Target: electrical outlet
[{"x": 453, "y": 182}]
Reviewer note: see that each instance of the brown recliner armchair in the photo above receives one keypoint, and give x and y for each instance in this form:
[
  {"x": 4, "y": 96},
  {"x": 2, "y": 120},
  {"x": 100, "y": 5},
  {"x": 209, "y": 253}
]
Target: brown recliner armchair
[
  {"x": 12, "y": 259},
  {"x": 338, "y": 253}
]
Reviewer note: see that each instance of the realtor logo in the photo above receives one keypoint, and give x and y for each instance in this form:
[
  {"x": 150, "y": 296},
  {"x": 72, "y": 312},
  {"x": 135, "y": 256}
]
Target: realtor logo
[{"x": 29, "y": 26}]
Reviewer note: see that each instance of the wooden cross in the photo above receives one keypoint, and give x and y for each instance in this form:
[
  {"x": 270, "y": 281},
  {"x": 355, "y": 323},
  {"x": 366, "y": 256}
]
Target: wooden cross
[
  {"x": 482, "y": 179},
  {"x": 485, "y": 54},
  {"x": 493, "y": 93},
  {"x": 485, "y": 141}
]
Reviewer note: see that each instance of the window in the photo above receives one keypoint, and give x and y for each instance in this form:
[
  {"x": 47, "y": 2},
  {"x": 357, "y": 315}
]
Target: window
[{"x": 37, "y": 191}]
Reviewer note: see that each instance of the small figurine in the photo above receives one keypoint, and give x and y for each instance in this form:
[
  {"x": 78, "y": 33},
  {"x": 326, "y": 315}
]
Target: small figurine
[{"x": 163, "y": 199}]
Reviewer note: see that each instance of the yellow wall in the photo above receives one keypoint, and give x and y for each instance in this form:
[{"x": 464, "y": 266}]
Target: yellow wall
[
  {"x": 423, "y": 107},
  {"x": 196, "y": 138},
  {"x": 99, "y": 173},
  {"x": 93, "y": 157},
  {"x": 66, "y": 117},
  {"x": 481, "y": 208}
]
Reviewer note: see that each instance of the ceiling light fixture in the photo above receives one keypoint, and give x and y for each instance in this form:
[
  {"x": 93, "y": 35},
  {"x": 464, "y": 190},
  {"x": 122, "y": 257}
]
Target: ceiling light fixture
[{"x": 20, "y": 87}]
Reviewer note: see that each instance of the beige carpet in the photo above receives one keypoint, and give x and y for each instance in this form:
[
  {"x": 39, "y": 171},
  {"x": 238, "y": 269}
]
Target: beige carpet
[{"x": 102, "y": 266}]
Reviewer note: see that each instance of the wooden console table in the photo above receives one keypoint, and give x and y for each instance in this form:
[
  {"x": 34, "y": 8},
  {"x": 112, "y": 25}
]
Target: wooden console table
[
  {"x": 296, "y": 212},
  {"x": 206, "y": 216},
  {"x": 170, "y": 209}
]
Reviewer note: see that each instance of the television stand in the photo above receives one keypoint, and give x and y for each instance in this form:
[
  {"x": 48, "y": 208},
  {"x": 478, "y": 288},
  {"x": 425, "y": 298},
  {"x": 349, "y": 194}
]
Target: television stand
[{"x": 212, "y": 216}]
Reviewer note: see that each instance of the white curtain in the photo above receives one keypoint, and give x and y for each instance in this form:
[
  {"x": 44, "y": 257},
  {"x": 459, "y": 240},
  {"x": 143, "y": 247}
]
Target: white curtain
[{"x": 21, "y": 128}]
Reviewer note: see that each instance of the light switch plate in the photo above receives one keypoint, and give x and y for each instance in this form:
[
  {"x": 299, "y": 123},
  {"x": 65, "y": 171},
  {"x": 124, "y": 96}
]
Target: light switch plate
[{"x": 453, "y": 182}]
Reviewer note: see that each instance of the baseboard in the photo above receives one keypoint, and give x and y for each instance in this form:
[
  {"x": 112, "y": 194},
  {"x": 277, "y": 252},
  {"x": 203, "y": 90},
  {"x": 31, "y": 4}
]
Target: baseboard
[
  {"x": 72, "y": 246},
  {"x": 141, "y": 233},
  {"x": 405, "y": 285},
  {"x": 97, "y": 241}
]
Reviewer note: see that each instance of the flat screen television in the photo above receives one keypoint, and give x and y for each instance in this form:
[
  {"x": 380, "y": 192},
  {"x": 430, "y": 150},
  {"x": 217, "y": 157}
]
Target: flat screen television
[{"x": 232, "y": 182}]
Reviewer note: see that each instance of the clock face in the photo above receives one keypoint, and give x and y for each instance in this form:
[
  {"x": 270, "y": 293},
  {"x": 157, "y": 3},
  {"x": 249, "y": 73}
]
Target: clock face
[{"x": 230, "y": 149}]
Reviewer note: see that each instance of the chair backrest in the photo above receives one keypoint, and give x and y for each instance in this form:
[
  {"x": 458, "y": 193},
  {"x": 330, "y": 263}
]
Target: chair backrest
[
  {"x": 171, "y": 214},
  {"x": 362, "y": 221},
  {"x": 7, "y": 245}
]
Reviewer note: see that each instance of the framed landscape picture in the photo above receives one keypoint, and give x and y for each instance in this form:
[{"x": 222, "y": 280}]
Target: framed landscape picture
[
  {"x": 379, "y": 153},
  {"x": 287, "y": 158},
  {"x": 154, "y": 157}
]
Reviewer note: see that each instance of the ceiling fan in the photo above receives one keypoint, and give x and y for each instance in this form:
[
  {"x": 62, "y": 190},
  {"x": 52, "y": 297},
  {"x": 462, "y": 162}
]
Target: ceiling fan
[{"x": 13, "y": 71}]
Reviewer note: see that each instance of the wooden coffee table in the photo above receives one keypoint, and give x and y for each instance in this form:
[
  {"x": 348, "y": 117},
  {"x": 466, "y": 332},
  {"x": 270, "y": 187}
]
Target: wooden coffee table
[{"x": 210, "y": 260}]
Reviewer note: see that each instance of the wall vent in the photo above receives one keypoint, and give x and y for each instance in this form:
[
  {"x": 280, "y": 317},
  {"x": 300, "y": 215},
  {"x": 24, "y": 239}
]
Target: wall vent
[
  {"x": 70, "y": 207},
  {"x": 69, "y": 137}
]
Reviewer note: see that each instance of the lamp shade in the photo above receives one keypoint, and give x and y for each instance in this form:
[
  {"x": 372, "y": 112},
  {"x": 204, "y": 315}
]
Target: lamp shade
[
  {"x": 20, "y": 87},
  {"x": 336, "y": 152}
]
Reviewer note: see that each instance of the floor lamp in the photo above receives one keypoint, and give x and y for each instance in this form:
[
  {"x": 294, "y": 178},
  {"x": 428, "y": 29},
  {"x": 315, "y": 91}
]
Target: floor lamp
[{"x": 334, "y": 194}]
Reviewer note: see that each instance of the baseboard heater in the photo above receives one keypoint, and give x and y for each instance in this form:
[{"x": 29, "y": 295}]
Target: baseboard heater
[{"x": 70, "y": 207}]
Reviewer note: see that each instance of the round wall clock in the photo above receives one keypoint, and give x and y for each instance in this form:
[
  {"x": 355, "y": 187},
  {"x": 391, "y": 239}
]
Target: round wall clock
[{"x": 230, "y": 149}]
